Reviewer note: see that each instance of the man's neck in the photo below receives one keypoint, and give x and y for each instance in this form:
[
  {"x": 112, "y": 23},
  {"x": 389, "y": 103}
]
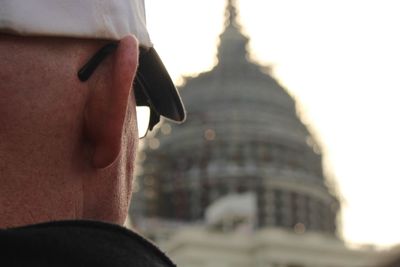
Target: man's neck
[{"x": 29, "y": 199}]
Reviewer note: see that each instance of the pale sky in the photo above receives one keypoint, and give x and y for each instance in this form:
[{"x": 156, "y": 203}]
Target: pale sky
[{"x": 340, "y": 60}]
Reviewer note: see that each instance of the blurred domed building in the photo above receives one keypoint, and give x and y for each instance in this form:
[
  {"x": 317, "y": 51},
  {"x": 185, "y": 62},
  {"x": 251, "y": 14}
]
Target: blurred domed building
[{"x": 241, "y": 182}]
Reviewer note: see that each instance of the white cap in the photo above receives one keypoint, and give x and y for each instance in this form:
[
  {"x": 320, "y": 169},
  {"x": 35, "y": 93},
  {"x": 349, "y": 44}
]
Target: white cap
[
  {"x": 94, "y": 19},
  {"x": 98, "y": 19}
]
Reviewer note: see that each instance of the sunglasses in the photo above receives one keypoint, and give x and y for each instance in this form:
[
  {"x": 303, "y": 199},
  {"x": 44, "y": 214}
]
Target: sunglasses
[{"x": 154, "y": 92}]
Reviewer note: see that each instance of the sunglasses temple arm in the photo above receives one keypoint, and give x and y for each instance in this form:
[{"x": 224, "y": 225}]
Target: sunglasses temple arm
[{"x": 87, "y": 70}]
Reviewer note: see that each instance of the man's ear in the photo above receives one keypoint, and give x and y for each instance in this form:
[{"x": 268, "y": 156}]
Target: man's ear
[{"x": 107, "y": 102}]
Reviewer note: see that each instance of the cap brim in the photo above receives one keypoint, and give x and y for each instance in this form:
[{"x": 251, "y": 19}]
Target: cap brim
[{"x": 159, "y": 86}]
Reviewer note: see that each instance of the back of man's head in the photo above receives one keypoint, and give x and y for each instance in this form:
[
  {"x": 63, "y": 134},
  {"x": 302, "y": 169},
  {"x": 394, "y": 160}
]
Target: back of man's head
[
  {"x": 68, "y": 131},
  {"x": 67, "y": 147}
]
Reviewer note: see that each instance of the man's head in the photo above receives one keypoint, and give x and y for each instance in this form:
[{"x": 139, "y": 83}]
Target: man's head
[{"x": 67, "y": 146}]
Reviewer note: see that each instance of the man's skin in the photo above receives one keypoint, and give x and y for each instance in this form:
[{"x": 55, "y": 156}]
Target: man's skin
[{"x": 67, "y": 148}]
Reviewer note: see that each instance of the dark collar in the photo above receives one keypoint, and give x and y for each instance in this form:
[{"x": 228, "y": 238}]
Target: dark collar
[{"x": 78, "y": 243}]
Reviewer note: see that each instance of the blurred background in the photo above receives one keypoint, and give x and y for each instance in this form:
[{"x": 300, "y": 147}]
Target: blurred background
[{"x": 291, "y": 141}]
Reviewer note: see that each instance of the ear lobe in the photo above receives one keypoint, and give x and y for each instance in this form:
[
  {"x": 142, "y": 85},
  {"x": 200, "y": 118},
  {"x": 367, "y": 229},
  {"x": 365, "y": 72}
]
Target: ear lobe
[{"x": 107, "y": 103}]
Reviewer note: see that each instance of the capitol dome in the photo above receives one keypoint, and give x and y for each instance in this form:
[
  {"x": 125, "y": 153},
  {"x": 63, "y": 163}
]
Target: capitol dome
[{"x": 242, "y": 134}]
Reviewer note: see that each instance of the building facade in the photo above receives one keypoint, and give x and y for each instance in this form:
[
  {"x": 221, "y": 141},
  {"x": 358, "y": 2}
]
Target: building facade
[{"x": 242, "y": 143}]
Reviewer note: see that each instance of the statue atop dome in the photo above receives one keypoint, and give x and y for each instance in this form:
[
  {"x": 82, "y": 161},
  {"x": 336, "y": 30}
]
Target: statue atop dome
[{"x": 231, "y": 13}]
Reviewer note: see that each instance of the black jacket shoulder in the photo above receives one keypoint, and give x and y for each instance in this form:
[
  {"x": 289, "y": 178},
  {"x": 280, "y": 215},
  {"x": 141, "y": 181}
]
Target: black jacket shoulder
[{"x": 78, "y": 243}]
